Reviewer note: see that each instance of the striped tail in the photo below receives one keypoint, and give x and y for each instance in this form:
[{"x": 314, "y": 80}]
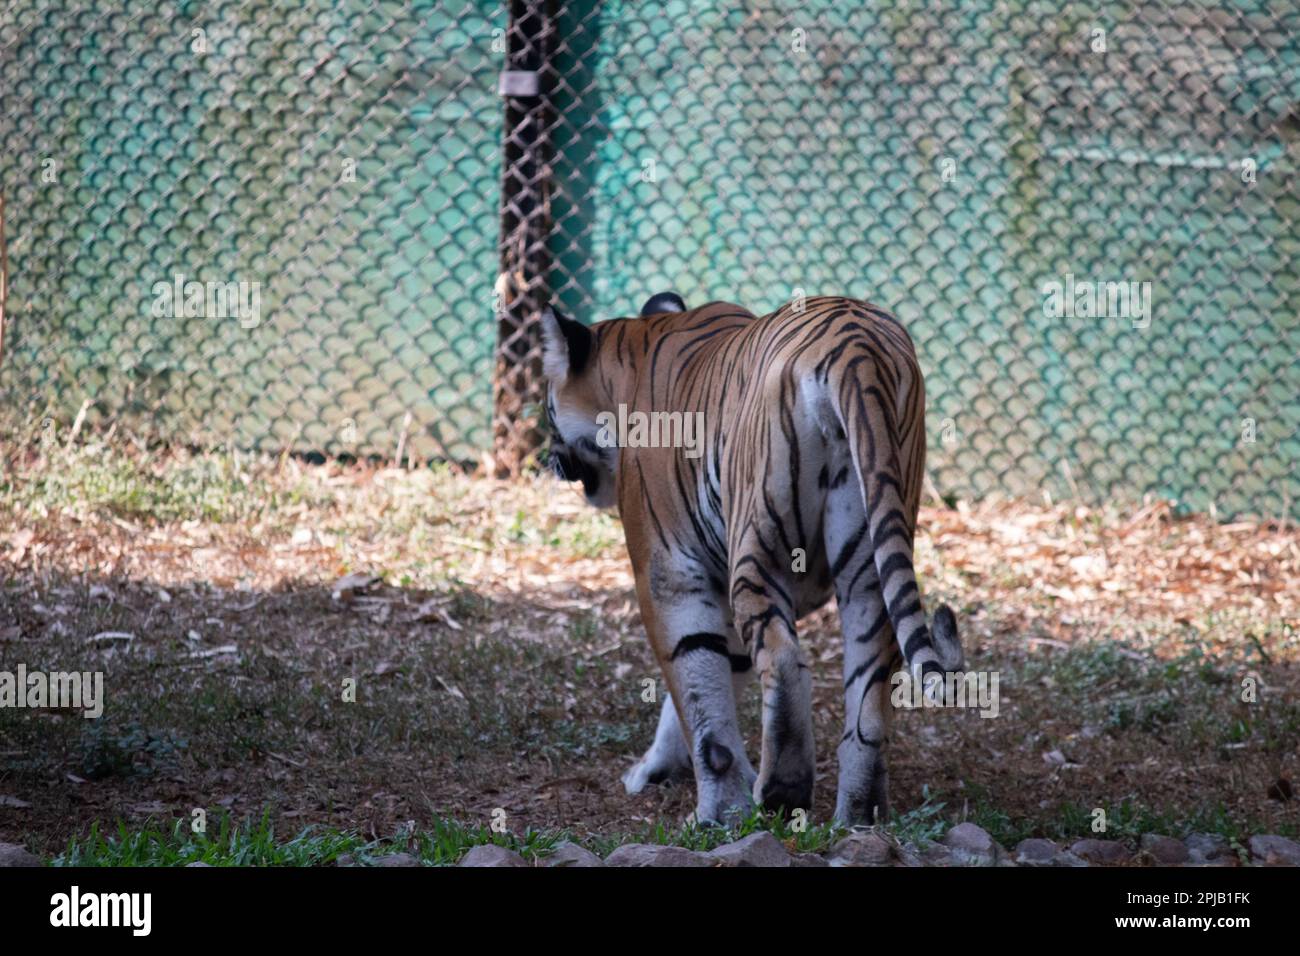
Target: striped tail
[{"x": 869, "y": 424}]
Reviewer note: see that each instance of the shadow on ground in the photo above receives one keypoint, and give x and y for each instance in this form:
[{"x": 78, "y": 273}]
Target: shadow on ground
[{"x": 363, "y": 709}]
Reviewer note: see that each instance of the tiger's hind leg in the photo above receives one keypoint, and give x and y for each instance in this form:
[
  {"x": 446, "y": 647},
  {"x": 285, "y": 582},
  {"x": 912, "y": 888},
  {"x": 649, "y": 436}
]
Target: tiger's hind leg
[
  {"x": 764, "y": 614},
  {"x": 669, "y": 758},
  {"x": 870, "y": 656},
  {"x": 690, "y": 630}
]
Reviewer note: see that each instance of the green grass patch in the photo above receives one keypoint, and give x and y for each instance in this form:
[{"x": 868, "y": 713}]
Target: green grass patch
[
  {"x": 807, "y": 837},
  {"x": 256, "y": 843},
  {"x": 150, "y": 487}
]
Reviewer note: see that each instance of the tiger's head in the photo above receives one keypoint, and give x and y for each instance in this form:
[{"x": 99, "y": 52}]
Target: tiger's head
[
  {"x": 575, "y": 397},
  {"x": 573, "y": 401}
]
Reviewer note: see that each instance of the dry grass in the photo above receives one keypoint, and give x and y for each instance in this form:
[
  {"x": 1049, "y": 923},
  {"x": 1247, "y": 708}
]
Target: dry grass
[{"x": 500, "y": 661}]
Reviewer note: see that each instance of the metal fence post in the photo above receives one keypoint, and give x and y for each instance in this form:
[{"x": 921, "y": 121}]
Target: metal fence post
[{"x": 521, "y": 287}]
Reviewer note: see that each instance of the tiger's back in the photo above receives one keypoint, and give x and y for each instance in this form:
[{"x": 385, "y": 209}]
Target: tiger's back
[{"x": 773, "y": 441}]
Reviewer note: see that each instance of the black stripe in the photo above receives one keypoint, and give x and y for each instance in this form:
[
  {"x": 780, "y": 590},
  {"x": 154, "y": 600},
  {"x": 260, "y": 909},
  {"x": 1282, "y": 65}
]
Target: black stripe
[
  {"x": 701, "y": 641},
  {"x": 850, "y": 546},
  {"x": 860, "y": 669},
  {"x": 881, "y": 673},
  {"x": 876, "y": 626},
  {"x": 919, "y": 640},
  {"x": 895, "y": 562},
  {"x": 898, "y": 611}
]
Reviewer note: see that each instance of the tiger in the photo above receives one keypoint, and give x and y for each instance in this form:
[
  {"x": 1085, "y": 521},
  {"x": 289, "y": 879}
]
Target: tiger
[{"x": 807, "y": 483}]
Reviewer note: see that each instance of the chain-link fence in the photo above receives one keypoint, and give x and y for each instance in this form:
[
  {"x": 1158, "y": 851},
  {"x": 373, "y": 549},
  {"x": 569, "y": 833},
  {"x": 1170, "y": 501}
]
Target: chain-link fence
[
  {"x": 1086, "y": 214},
  {"x": 330, "y": 169}
]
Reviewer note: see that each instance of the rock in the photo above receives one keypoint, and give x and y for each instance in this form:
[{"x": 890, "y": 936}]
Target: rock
[
  {"x": 489, "y": 854},
  {"x": 1164, "y": 850},
  {"x": 570, "y": 854},
  {"x": 1066, "y": 858},
  {"x": 207, "y": 866},
  {"x": 11, "y": 854},
  {"x": 1208, "y": 848},
  {"x": 345, "y": 859},
  {"x": 650, "y": 854},
  {"x": 1103, "y": 852},
  {"x": 862, "y": 848},
  {"x": 969, "y": 837},
  {"x": 936, "y": 854},
  {"x": 395, "y": 859},
  {"x": 807, "y": 859},
  {"x": 971, "y": 845},
  {"x": 907, "y": 856},
  {"x": 1275, "y": 850},
  {"x": 1037, "y": 852},
  {"x": 757, "y": 849}
]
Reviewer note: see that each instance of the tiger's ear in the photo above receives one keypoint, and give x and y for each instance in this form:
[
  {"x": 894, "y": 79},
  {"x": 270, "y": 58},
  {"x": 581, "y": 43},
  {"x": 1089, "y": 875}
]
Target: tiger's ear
[
  {"x": 566, "y": 346},
  {"x": 663, "y": 302}
]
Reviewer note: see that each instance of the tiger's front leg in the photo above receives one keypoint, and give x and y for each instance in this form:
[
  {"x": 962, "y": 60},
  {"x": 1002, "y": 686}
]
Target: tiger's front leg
[{"x": 691, "y": 635}]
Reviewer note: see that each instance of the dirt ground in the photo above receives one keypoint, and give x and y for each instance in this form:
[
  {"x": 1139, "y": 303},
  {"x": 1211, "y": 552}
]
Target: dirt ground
[{"x": 499, "y": 663}]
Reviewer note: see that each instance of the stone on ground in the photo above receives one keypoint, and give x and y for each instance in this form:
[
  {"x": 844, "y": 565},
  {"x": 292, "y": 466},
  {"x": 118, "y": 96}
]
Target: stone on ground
[
  {"x": 1209, "y": 848},
  {"x": 863, "y": 848},
  {"x": 1165, "y": 850},
  {"x": 1102, "y": 852},
  {"x": 489, "y": 854},
  {"x": 971, "y": 845},
  {"x": 650, "y": 854},
  {"x": 1037, "y": 852},
  {"x": 11, "y": 854},
  {"x": 1272, "y": 850},
  {"x": 570, "y": 854},
  {"x": 757, "y": 849}
]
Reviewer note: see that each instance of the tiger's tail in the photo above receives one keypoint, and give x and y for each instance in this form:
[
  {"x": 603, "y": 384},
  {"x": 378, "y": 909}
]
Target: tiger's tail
[{"x": 869, "y": 422}]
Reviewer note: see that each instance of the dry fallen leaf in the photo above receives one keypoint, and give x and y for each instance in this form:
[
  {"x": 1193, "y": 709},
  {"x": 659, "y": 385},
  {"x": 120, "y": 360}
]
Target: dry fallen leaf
[
  {"x": 1055, "y": 758},
  {"x": 450, "y": 688},
  {"x": 350, "y": 585},
  {"x": 215, "y": 651},
  {"x": 110, "y": 636},
  {"x": 432, "y": 610},
  {"x": 19, "y": 542}
]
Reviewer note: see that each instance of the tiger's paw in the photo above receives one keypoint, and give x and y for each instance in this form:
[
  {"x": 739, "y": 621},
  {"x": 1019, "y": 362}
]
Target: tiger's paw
[
  {"x": 787, "y": 793},
  {"x": 723, "y": 808},
  {"x": 646, "y": 772},
  {"x": 725, "y": 787}
]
